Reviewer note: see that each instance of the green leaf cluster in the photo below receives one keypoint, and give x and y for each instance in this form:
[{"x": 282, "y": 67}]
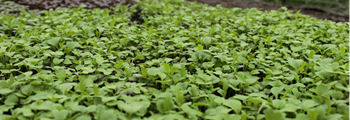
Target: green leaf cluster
[{"x": 177, "y": 60}]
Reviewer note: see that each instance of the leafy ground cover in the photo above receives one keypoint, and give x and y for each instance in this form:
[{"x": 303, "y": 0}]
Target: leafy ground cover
[
  {"x": 48, "y": 4},
  {"x": 173, "y": 60}
]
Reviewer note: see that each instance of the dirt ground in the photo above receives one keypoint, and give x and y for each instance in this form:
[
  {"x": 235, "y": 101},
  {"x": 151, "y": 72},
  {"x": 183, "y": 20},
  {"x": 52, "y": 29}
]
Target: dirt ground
[{"x": 313, "y": 12}]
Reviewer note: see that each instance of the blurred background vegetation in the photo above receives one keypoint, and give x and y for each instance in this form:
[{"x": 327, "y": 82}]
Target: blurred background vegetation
[
  {"x": 341, "y": 6},
  {"x": 13, "y": 7}
]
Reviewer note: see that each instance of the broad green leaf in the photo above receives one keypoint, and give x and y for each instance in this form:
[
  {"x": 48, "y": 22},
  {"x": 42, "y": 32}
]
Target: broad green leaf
[
  {"x": 27, "y": 112},
  {"x": 289, "y": 107},
  {"x": 321, "y": 89},
  {"x": 302, "y": 117},
  {"x": 27, "y": 89},
  {"x": 313, "y": 114},
  {"x": 84, "y": 117},
  {"x": 87, "y": 70},
  {"x": 73, "y": 45},
  {"x": 340, "y": 86},
  {"x": 3, "y": 84},
  {"x": 79, "y": 108},
  {"x": 152, "y": 71},
  {"x": 65, "y": 87},
  {"x": 167, "y": 67},
  {"x": 54, "y": 41},
  {"x": 168, "y": 102},
  {"x": 173, "y": 70},
  {"x": 5, "y": 91},
  {"x": 11, "y": 100},
  {"x": 334, "y": 117},
  {"x": 138, "y": 57},
  {"x": 204, "y": 77},
  {"x": 99, "y": 60},
  {"x": 107, "y": 99},
  {"x": 60, "y": 114},
  {"x": 101, "y": 45},
  {"x": 206, "y": 41},
  {"x": 48, "y": 106},
  {"x": 57, "y": 61},
  {"x": 294, "y": 63},
  {"x": 277, "y": 90},
  {"x": 188, "y": 110},
  {"x": 108, "y": 115},
  {"x": 308, "y": 104},
  {"x": 337, "y": 95},
  {"x": 161, "y": 75},
  {"x": 234, "y": 104},
  {"x": 242, "y": 59},
  {"x": 273, "y": 114}
]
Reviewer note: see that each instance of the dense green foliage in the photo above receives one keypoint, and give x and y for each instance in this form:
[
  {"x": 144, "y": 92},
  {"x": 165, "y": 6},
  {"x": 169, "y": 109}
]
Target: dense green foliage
[
  {"x": 173, "y": 60},
  {"x": 334, "y": 5},
  {"x": 52, "y": 4},
  {"x": 14, "y": 9}
]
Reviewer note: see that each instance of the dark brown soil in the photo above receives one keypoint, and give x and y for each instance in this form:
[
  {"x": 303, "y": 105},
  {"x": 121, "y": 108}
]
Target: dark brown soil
[{"x": 313, "y": 12}]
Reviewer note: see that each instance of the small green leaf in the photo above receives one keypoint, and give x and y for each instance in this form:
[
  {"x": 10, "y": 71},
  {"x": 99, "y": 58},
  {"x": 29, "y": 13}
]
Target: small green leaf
[
  {"x": 168, "y": 102},
  {"x": 82, "y": 85},
  {"x": 161, "y": 75},
  {"x": 311, "y": 54},
  {"x": 199, "y": 47},
  {"x": 268, "y": 39},
  {"x": 342, "y": 51},
  {"x": 167, "y": 67},
  {"x": 112, "y": 23},
  {"x": 96, "y": 90},
  {"x": 138, "y": 57},
  {"x": 120, "y": 63},
  {"x": 173, "y": 70}
]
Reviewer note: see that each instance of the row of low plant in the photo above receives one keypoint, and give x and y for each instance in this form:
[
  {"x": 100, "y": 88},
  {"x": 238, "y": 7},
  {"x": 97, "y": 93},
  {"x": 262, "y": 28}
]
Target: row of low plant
[
  {"x": 15, "y": 7},
  {"x": 11, "y": 8},
  {"x": 173, "y": 60},
  {"x": 334, "y": 5}
]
